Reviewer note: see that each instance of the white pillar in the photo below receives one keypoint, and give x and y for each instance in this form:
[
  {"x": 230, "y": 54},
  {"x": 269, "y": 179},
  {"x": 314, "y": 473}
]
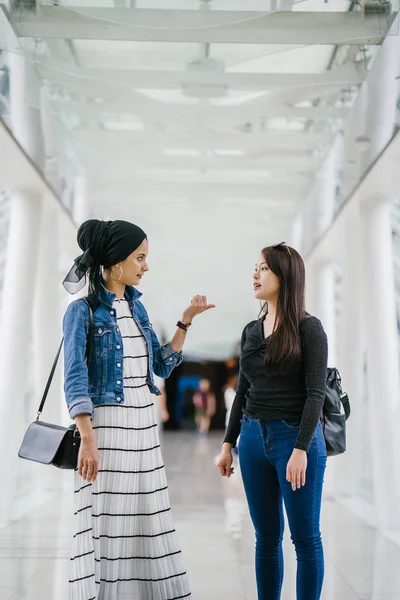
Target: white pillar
[
  {"x": 325, "y": 193},
  {"x": 25, "y": 118},
  {"x": 382, "y": 95},
  {"x": 81, "y": 205},
  {"x": 351, "y": 356},
  {"x": 19, "y": 284},
  {"x": 15, "y": 327},
  {"x": 382, "y": 343},
  {"x": 322, "y": 289},
  {"x": 47, "y": 328},
  {"x": 323, "y": 292},
  {"x": 297, "y": 237},
  {"x": 324, "y": 304}
]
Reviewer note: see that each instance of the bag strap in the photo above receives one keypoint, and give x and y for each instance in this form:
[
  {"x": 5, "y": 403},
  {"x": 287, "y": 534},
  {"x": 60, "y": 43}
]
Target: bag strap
[
  {"x": 90, "y": 337},
  {"x": 346, "y": 405},
  {"x": 89, "y": 349}
]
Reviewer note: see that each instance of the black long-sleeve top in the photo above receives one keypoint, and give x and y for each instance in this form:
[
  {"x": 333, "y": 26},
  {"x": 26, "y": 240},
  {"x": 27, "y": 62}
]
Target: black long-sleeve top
[{"x": 298, "y": 395}]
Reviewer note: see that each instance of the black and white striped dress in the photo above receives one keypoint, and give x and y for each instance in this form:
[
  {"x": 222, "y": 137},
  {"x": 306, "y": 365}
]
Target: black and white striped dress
[{"x": 125, "y": 545}]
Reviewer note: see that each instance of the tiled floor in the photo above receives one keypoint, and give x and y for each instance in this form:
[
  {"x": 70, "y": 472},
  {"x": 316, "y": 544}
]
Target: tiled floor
[{"x": 216, "y": 537}]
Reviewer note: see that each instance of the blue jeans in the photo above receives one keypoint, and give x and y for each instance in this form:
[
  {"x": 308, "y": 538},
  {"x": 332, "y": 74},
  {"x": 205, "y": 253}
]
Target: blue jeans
[{"x": 264, "y": 451}]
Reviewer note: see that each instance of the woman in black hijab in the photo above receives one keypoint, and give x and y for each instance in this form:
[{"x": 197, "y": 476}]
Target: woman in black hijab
[{"x": 125, "y": 544}]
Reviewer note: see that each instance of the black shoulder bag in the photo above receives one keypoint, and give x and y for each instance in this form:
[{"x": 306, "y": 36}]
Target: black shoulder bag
[
  {"x": 53, "y": 444},
  {"x": 333, "y": 419}
]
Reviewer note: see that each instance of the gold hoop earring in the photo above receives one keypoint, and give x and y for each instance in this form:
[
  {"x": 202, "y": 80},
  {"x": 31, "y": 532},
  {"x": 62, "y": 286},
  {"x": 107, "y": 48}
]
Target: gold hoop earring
[{"x": 120, "y": 275}]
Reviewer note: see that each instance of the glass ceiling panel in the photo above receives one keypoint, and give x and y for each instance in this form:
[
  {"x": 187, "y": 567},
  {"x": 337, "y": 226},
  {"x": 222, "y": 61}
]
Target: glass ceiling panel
[
  {"x": 116, "y": 98},
  {"x": 262, "y": 6},
  {"x": 210, "y": 19}
]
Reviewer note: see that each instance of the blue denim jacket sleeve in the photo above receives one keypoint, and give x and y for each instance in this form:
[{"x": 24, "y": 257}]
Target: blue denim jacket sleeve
[
  {"x": 76, "y": 378},
  {"x": 165, "y": 359}
]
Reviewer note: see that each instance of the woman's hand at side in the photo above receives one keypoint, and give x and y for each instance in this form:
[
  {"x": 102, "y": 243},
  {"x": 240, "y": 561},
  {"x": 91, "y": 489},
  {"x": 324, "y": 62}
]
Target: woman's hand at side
[
  {"x": 296, "y": 469},
  {"x": 225, "y": 460},
  {"x": 88, "y": 458}
]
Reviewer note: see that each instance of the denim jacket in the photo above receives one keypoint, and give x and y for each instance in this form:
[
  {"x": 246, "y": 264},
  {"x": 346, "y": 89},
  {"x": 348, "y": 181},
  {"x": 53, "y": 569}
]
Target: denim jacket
[{"x": 102, "y": 381}]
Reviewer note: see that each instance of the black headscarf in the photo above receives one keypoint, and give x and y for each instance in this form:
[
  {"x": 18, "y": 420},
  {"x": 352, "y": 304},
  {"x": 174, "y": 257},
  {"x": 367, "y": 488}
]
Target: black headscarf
[{"x": 104, "y": 244}]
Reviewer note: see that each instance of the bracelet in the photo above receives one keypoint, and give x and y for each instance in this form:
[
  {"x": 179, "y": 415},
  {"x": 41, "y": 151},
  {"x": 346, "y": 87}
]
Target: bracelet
[{"x": 183, "y": 326}]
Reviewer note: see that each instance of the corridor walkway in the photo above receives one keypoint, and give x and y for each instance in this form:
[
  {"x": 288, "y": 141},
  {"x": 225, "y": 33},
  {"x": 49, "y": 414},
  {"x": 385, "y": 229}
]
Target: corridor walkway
[{"x": 216, "y": 537}]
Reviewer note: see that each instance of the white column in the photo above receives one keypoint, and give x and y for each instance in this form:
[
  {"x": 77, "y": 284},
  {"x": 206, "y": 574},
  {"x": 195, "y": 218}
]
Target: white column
[
  {"x": 16, "y": 329},
  {"x": 379, "y": 315},
  {"x": 382, "y": 343},
  {"x": 351, "y": 356},
  {"x": 322, "y": 289},
  {"x": 382, "y": 96},
  {"x": 323, "y": 292},
  {"x": 324, "y": 304},
  {"x": 25, "y": 119},
  {"x": 47, "y": 328},
  {"x": 81, "y": 207},
  {"x": 19, "y": 285},
  {"x": 297, "y": 237},
  {"x": 320, "y": 303}
]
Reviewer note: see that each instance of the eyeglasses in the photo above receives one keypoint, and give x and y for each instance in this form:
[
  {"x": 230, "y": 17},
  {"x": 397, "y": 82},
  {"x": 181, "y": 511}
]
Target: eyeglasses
[{"x": 282, "y": 244}]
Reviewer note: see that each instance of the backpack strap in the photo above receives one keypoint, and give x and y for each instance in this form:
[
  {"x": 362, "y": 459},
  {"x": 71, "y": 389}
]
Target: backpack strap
[
  {"x": 89, "y": 350},
  {"x": 346, "y": 404}
]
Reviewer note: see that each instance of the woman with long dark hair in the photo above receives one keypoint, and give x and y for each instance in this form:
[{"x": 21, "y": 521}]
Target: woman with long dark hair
[
  {"x": 125, "y": 544},
  {"x": 277, "y": 412}
]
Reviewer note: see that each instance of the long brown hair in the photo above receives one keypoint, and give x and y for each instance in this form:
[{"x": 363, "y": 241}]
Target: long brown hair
[{"x": 284, "y": 349}]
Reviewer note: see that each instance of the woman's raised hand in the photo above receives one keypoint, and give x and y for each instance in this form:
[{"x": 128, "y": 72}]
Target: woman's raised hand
[{"x": 198, "y": 305}]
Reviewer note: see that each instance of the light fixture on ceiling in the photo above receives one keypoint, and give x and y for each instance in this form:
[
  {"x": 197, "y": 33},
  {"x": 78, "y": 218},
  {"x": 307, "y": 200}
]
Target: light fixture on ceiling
[
  {"x": 229, "y": 152},
  {"x": 196, "y": 90},
  {"x": 123, "y": 125},
  {"x": 363, "y": 143},
  {"x": 181, "y": 152},
  {"x": 246, "y": 201},
  {"x": 205, "y": 64}
]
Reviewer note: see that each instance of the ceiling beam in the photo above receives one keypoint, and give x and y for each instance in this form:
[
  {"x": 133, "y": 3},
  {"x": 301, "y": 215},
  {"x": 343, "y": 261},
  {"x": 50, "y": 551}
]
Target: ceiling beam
[
  {"x": 270, "y": 139},
  {"x": 94, "y": 111},
  {"x": 203, "y": 191},
  {"x": 122, "y": 173},
  {"x": 213, "y": 26},
  {"x": 277, "y": 160},
  {"x": 106, "y": 92},
  {"x": 350, "y": 74}
]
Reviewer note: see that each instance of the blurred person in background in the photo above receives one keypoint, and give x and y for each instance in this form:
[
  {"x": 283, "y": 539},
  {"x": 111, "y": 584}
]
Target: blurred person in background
[
  {"x": 122, "y": 506},
  {"x": 229, "y": 397},
  {"x": 277, "y": 409},
  {"x": 205, "y": 406}
]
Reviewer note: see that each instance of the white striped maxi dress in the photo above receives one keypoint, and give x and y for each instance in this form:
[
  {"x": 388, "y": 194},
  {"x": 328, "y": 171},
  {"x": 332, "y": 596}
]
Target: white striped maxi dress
[{"x": 125, "y": 545}]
